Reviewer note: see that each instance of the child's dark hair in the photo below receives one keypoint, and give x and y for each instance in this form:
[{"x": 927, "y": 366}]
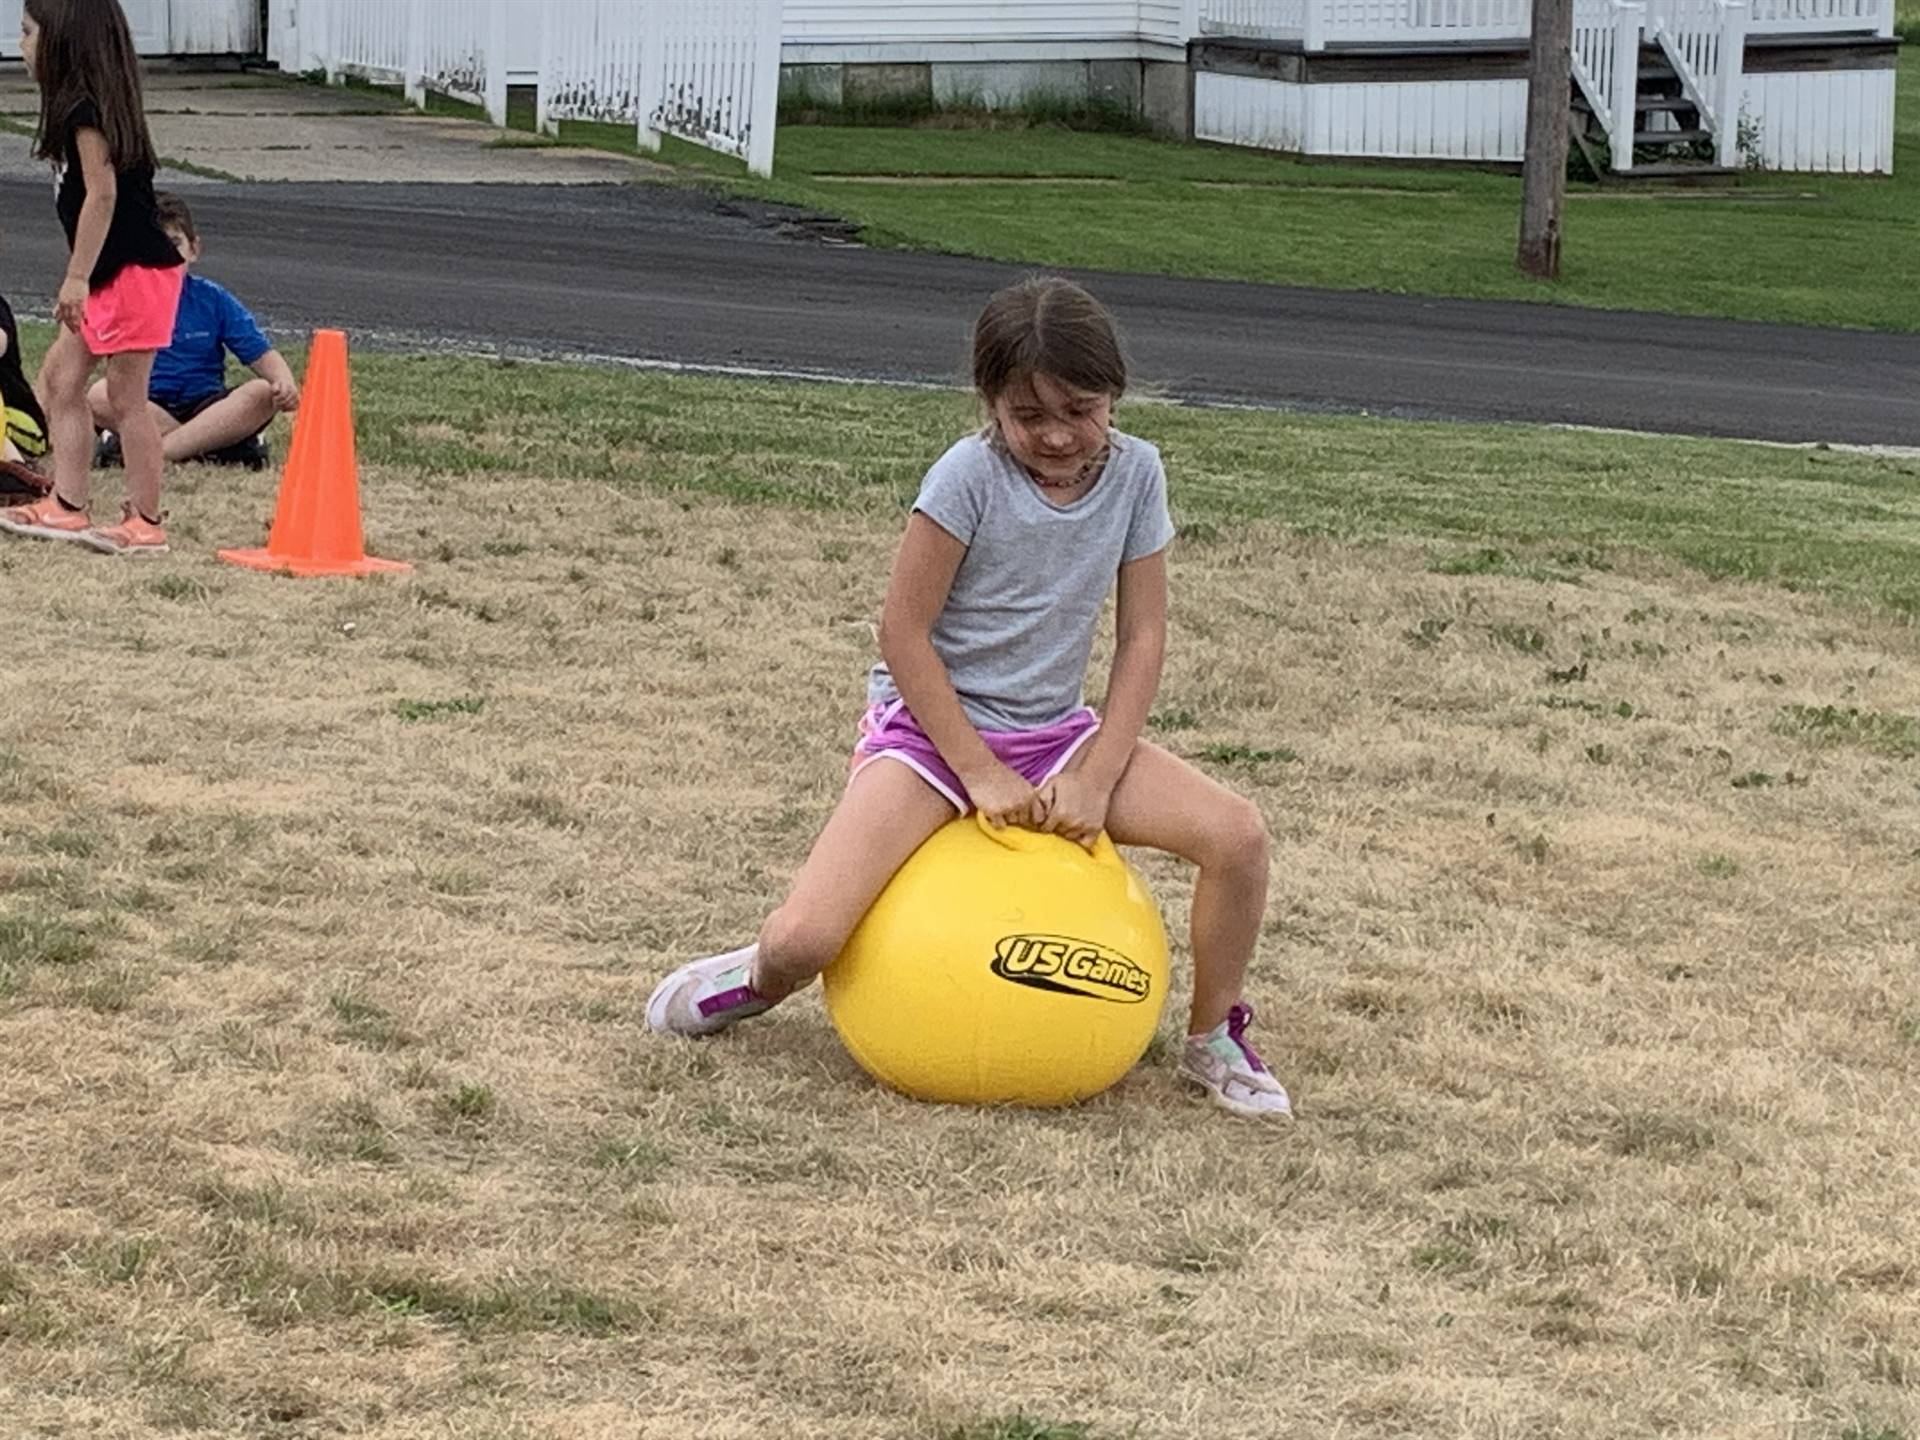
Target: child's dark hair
[
  {"x": 172, "y": 213},
  {"x": 86, "y": 54},
  {"x": 1047, "y": 326}
]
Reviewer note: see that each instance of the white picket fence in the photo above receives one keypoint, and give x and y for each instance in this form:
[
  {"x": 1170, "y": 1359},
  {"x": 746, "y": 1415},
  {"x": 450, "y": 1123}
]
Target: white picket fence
[
  {"x": 461, "y": 51},
  {"x": 590, "y": 69},
  {"x": 367, "y": 38},
  {"x": 707, "y": 71},
  {"x": 453, "y": 50}
]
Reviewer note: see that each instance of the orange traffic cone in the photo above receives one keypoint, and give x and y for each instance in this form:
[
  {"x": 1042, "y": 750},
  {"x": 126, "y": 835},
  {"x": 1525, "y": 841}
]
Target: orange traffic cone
[{"x": 316, "y": 526}]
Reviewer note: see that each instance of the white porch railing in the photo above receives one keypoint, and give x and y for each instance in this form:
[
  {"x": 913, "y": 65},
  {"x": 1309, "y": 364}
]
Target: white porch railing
[
  {"x": 1828, "y": 17},
  {"x": 1254, "y": 19},
  {"x": 1705, "y": 43},
  {"x": 1365, "y": 22},
  {"x": 1606, "y": 68},
  {"x": 707, "y": 71},
  {"x": 1422, "y": 21},
  {"x": 1319, "y": 23},
  {"x": 1703, "y": 40}
]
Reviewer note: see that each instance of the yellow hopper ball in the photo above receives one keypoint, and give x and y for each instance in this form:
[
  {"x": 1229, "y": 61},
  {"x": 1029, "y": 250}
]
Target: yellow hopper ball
[{"x": 1003, "y": 967}]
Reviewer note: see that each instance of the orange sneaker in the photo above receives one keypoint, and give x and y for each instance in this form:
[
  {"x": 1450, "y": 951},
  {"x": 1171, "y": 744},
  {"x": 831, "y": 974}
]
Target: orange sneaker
[
  {"x": 47, "y": 519},
  {"x": 134, "y": 535}
]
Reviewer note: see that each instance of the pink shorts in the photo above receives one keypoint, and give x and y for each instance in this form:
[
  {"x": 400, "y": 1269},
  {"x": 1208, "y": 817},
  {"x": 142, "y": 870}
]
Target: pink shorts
[
  {"x": 133, "y": 311},
  {"x": 889, "y": 732}
]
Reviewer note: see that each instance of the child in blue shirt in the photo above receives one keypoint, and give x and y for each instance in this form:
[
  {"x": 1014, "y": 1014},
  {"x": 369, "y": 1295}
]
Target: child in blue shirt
[{"x": 199, "y": 415}]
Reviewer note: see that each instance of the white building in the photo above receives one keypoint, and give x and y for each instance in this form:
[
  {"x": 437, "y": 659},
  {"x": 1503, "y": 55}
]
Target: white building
[
  {"x": 996, "y": 51},
  {"x": 1805, "y": 85},
  {"x": 1802, "y": 85},
  {"x": 168, "y": 27}
]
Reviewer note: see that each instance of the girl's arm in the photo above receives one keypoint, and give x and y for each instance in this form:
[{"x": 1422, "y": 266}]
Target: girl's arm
[
  {"x": 272, "y": 367},
  {"x": 923, "y": 573},
  {"x": 1074, "y": 803},
  {"x": 96, "y": 218}
]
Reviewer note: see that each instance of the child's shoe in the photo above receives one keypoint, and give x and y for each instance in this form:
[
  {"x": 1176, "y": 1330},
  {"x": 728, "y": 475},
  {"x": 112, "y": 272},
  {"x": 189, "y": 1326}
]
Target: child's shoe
[
  {"x": 20, "y": 482},
  {"x": 1222, "y": 1063},
  {"x": 707, "y": 996},
  {"x": 134, "y": 535},
  {"x": 249, "y": 454},
  {"x": 47, "y": 519},
  {"x": 106, "y": 451}
]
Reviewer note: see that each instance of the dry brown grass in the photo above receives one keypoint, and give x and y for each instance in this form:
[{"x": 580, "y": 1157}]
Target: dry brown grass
[{"x": 327, "y": 913}]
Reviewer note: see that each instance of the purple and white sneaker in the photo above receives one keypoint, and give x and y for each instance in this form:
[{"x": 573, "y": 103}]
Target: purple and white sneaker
[
  {"x": 1222, "y": 1063},
  {"x": 706, "y": 996}
]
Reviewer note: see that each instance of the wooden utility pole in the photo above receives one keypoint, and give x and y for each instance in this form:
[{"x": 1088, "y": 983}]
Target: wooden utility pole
[{"x": 1543, "y": 190}]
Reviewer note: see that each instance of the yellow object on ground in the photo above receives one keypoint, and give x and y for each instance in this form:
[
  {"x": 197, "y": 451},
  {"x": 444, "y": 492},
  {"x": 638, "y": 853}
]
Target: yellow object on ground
[
  {"x": 20, "y": 428},
  {"x": 1003, "y": 967}
]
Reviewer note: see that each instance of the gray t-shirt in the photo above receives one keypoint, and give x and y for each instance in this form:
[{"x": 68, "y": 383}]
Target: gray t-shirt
[{"x": 1017, "y": 630}]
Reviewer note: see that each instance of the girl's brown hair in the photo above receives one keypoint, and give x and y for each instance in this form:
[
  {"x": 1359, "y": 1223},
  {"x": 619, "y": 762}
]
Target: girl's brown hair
[
  {"x": 1047, "y": 326},
  {"x": 86, "y": 54},
  {"x": 172, "y": 213}
]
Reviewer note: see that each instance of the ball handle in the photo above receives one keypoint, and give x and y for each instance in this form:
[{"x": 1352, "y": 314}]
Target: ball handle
[{"x": 1015, "y": 837}]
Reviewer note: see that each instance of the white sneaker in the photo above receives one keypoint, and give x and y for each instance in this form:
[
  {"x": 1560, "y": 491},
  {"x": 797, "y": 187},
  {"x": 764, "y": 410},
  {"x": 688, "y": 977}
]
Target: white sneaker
[
  {"x": 706, "y": 996},
  {"x": 1222, "y": 1063}
]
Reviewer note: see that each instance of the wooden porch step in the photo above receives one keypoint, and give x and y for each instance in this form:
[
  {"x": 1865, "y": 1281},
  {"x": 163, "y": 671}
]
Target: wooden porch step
[
  {"x": 1670, "y": 137},
  {"x": 1675, "y": 173},
  {"x": 1646, "y": 104}
]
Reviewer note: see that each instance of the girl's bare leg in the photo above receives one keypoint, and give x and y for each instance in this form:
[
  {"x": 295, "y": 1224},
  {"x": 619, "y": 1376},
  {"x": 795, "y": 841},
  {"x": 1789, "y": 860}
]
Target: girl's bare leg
[
  {"x": 63, "y": 382},
  {"x": 886, "y": 813},
  {"x": 140, "y": 444},
  {"x": 1164, "y": 803}
]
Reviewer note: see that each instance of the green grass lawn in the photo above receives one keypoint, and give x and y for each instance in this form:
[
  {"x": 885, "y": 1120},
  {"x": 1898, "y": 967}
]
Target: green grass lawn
[
  {"x": 1811, "y": 249},
  {"x": 329, "y": 910},
  {"x": 1494, "y": 499},
  {"x": 1510, "y": 499},
  {"x": 1822, "y": 250},
  {"x": 1499, "y": 499}
]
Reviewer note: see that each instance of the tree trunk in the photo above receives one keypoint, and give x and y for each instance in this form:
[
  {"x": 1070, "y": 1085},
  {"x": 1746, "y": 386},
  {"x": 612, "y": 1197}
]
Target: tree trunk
[{"x": 1544, "y": 188}]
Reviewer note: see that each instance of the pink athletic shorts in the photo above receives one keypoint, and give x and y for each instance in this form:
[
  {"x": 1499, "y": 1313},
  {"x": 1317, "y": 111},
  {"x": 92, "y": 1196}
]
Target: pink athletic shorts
[
  {"x": 133, "y": 311},
  {"x": 889, "y": 732}
]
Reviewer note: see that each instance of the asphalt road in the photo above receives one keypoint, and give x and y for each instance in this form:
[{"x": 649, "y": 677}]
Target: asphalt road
[{"x": 657, "y": 274}]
